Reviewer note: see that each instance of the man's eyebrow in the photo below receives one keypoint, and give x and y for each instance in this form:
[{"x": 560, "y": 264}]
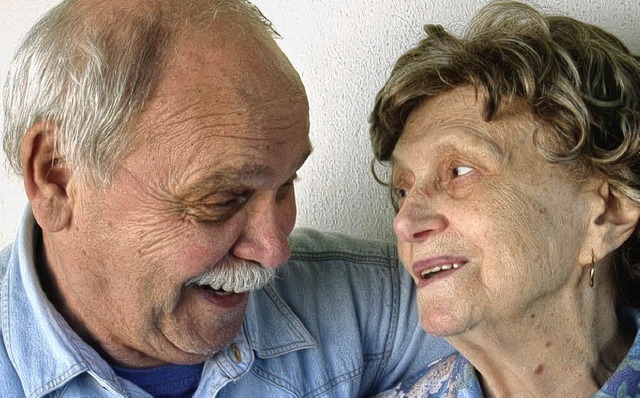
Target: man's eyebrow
[
  {"x": 230, "y": 177},
  {"x": 225, "y": 178},
  {"x": 303, "y": 158}
]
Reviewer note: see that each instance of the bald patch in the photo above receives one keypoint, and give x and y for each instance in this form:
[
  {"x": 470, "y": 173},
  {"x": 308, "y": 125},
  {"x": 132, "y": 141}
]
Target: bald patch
[{"x": 177, "y": 17}]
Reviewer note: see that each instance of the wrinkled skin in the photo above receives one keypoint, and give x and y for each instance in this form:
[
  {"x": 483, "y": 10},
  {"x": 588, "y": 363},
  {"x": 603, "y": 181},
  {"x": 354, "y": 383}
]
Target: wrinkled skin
[
  {"x": 211, "y": 180},
  {"x": 517, "y": 236},
  {"x": 479, "y": 194}
]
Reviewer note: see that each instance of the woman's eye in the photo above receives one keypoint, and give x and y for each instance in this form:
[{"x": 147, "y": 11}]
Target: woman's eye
[{"x": 461, "y": 170}]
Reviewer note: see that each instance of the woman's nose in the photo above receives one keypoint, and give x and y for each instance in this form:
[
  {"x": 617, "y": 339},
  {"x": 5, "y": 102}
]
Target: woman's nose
[{"x": 417, "y": 219}]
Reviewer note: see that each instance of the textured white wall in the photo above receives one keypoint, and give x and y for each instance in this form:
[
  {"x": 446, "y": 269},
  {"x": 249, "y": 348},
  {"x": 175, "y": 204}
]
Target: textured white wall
[{"x": 344, "y": 51}]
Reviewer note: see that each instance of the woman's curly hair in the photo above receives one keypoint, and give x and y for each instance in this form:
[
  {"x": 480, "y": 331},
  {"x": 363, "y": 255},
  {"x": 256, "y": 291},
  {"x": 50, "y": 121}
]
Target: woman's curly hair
[{"x": 574, "y": 77}]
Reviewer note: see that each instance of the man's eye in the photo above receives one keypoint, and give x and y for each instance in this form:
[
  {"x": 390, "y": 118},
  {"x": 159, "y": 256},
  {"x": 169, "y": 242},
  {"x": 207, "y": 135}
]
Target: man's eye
[
  {"x": 234, "y": 201},
  {"x": 461, "y": 170},
  {"x": 286, "y": 189},
  {"x": 399, "y": 193}
]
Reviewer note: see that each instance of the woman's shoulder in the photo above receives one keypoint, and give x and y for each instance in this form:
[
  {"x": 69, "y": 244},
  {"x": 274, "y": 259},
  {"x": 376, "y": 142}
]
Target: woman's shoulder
[
  {"x": 625, "y": 381},
  {"x": 451, "y": 376}
]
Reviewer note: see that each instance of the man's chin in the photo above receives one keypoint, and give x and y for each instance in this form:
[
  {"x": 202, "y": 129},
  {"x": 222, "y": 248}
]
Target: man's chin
[
  {"x": 189, "y": 353},
  {"x": 201, "y": 325},
  {"x": 203, "y": 336}
]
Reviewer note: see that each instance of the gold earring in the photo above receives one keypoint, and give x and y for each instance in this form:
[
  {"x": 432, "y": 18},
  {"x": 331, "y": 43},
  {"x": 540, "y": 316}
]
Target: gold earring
[{"x": 592, "y": 273}]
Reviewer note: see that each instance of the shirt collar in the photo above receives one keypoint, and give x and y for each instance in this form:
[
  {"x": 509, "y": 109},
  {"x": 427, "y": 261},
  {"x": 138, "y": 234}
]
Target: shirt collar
[
  {"x": 272, "y": 327},
  {"x": 47, "y": 353},
  {"x": 43, "y": 348}
]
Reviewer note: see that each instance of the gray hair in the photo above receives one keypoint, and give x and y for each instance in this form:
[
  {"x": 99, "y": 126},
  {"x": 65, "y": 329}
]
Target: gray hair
[
  {"x": 88, "y": 74},
  {"x": 575, "y": 78}
]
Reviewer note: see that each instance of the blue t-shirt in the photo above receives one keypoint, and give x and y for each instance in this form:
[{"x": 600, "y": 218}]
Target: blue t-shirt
[{"x": 167, "y": 381}]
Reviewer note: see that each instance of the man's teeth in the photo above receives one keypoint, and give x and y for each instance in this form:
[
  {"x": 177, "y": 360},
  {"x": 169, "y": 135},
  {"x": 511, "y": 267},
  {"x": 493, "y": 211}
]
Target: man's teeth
[
  {"x": 220, "y": 291},
  {"x": 429, "y": 272},
  {"x": 223, "y": 293}
]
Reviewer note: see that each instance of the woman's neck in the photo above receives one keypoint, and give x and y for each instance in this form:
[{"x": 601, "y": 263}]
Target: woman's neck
[{"x": 568, "y": 346}]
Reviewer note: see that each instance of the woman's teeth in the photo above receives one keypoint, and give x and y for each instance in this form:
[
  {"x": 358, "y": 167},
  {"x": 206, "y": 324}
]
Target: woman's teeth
[{"x": 429, "y": 272}]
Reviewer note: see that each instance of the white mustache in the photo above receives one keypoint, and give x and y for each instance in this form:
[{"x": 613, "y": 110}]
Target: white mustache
[{"x": 235, "y": 275}]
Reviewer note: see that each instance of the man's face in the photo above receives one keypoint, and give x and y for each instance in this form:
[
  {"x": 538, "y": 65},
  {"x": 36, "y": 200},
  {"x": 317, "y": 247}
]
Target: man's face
[{"x": 210, "y": 184}]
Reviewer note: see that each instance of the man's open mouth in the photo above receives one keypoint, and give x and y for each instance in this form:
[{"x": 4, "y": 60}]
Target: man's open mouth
[{"x": 219, "y": 291}]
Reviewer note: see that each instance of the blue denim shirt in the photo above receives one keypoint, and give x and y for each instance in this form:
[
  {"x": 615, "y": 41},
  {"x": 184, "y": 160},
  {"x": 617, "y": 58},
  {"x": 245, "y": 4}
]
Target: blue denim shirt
[{"x": 338, "y": 321}]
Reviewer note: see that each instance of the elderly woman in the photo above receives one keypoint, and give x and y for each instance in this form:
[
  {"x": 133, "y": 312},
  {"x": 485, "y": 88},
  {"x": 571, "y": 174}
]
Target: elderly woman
[{"x": 516, "y": 178}]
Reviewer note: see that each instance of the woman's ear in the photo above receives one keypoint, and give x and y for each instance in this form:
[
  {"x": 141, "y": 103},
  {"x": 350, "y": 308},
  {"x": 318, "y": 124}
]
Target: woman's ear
[
  {"x": 46, "y": 177},
  {"x": 614, "y": 220}
]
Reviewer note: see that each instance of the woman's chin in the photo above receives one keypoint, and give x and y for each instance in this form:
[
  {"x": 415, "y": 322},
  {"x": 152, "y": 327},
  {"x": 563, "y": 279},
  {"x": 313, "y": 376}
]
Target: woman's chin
[{"x": 442, "y": 324}]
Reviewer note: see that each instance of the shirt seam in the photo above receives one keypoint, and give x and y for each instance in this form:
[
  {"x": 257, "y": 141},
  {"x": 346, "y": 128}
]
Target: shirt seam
[
  {"x": 379, "y": 261},
  {"x": 392, "y": 328}
]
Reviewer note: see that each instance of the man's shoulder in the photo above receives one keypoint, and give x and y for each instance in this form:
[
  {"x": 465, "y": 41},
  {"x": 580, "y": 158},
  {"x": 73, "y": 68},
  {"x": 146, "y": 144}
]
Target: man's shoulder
[
  {"x": 10, "y": 387},
  {"x": 312, "y": 245},
  {"x": 5, "y": 254},
  {"x": 351, "y": 265},
  {"x": 339, "y": 297},
  {"x": 329, "y": 271}
]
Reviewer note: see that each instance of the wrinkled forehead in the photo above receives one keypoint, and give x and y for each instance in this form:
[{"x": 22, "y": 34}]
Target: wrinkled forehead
[
  {"x": 229, "y": 75},
  {"x": 463, "y": 109},
  {"x": 223, "y": 107},
  {"x": 231, "y": 80}
]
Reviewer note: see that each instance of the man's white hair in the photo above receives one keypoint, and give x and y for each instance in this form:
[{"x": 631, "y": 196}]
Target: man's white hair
[{"x": 86, "y": 69}]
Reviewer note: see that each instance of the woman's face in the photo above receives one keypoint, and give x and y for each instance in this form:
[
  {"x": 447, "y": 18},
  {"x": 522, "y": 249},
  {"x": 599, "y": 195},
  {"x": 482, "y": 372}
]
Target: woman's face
[{"x": 489, "y": 230}]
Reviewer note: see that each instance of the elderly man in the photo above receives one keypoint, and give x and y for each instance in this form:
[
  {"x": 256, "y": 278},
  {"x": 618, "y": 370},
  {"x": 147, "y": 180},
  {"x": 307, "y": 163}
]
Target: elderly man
[{"x": 158, "y": 142}]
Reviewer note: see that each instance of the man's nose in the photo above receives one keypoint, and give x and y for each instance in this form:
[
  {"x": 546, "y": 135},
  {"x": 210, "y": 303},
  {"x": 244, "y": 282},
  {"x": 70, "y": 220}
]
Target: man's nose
[{"x": 264, "y": 236}]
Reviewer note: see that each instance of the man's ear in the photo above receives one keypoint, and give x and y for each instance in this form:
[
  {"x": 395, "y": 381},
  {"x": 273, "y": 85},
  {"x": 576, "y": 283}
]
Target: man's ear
[
  {"x": 46, "y": 177},
  {"x": 614, "y": 220}
]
